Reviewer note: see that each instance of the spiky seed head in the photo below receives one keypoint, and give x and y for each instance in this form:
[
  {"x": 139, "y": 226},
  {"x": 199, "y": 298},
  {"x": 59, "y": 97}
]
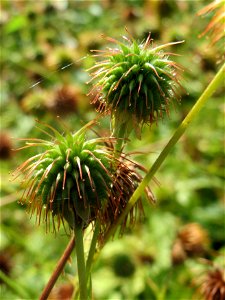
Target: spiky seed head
[
  {"x": 216, "y": 25},
  {"x": 136, "y": 83},
  {"x": 69, "y": 180},
  {"x": 178, "y": 254},
  {"x": 191, "y": 240},
  {"x": 213, "y": 285},
  {"x": 64, "y": 101},
  {"x": 127, "y": 178},
  {"x": 123, "y": 265},
  {"x": 74, "y": 179},
  {"x": 194, "y": 239},
  {"x": 5, "y": 146}
]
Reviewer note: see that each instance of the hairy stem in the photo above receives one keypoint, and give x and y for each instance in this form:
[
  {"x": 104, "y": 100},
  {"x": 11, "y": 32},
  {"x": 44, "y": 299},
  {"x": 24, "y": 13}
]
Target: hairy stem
[
  {"x": 58, "y": 270},
  {"x": 78, "y": 230},
  {"x": 214, "y": 84}
]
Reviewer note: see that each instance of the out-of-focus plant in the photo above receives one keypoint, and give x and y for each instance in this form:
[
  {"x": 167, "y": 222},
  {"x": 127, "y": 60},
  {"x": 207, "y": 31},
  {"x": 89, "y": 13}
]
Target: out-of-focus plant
[
  {"x": 215, "y": 28},
  {"x": 191, "y": 241},
  {"x": 213, "y": 284}
]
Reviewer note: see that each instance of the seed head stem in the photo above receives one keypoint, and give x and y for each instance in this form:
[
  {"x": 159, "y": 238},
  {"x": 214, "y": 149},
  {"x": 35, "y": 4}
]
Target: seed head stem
[
  {"x": 91, "y": 253},
  {"x": 79, "y": 246},
  {"x": 120, "y": 132},
  {"x": 92, "y": 247}
]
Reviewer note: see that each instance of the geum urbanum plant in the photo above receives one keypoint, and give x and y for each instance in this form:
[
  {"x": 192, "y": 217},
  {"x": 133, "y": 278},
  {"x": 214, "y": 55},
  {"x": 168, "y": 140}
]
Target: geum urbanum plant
[
  {"x": 135, "y": 84},
  {"x": 80, "y": 181},
  {"x": 84, "y": 181}
]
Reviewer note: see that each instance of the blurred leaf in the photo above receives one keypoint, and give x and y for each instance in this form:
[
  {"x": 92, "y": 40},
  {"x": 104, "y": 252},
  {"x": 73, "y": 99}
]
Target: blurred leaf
[{"x": 16, "y": 23}]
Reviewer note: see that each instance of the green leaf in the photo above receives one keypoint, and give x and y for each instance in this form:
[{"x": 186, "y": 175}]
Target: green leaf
[{"x": 16, "y": 23}]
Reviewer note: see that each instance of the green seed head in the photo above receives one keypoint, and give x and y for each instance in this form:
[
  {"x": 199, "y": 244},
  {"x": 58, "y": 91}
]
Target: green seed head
[
  {"x": 136, "y": 83},
  {"x": 123, "y": 266},
  {"x": 70, "y": 179},
  {"x": 75, "y": 179}
]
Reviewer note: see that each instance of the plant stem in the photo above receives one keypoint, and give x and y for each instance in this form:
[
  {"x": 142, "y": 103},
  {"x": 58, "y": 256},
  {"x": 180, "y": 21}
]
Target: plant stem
[
  {"x": 58, "y": 270},
  {"x": 91, "y": 255},
  {"x": 15, "y": 287},
  {"x": 121, "y": 132},
  {"x": 214, "y": 84},
  {"x": 81, "y": 262},
  {"x": 92, "y": 248}
]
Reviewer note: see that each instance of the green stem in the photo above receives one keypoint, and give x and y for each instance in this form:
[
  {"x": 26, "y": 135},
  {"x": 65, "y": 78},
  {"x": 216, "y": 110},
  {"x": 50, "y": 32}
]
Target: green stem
[
  {"x": 17, "y": 289},
  {"x": 91, "y": 255},
  {"x": 92, "y": 248},
  {"x": 121, "y": 131},
  {"x": 79, "y": 245},
  {"x": 214, "y": 84}
]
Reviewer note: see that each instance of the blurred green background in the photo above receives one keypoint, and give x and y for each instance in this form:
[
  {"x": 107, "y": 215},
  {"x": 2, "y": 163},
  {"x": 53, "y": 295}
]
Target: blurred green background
[{"x": 45, "y": 53}]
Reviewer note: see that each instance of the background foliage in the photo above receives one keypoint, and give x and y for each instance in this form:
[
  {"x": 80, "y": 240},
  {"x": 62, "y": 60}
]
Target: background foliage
[{"x": 40, "y": 38}]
